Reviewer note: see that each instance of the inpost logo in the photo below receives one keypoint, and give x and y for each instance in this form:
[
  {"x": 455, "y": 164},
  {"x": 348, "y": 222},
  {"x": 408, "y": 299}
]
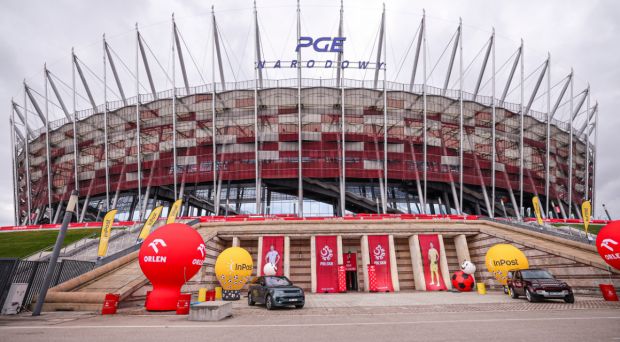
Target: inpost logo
[
  {"x": 504, "y": 262},
  {"x": 243, "y": 267}
]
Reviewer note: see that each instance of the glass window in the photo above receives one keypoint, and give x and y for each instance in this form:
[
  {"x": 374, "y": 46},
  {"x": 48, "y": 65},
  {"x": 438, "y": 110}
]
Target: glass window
[
  {"x": 277, "y": 281},
  {"x": 536, "y": 274}
]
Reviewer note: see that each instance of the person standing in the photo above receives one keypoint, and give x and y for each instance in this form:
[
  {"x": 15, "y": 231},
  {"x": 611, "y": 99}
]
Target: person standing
[
  {"x": 272, "y": 257},
  {"x": 433, "y": 259}
]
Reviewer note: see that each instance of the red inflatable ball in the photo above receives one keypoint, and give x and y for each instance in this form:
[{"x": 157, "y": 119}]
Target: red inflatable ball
[
  {"x": 169, "y": 257},
  {"x": 462, "y": 281},
  {"x": 608, "y": 244}
]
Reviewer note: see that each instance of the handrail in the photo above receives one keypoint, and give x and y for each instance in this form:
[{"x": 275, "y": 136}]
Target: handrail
[{"x": 541, "y": 229}]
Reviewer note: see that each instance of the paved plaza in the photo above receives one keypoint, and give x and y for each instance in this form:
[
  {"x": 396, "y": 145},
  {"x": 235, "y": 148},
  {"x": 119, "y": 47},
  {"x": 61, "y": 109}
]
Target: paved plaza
[{"x": 424, "y": 316}]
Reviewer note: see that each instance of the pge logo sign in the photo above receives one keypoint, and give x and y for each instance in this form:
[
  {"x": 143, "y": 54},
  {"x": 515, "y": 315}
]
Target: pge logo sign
[{"x": 322, "y": 44}]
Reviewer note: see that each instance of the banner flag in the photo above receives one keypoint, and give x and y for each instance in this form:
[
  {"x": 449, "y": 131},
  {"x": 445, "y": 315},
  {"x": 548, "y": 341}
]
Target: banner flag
[
  {"x": 429, "y": 246},
  {"x": 379, "y": 248},
  {"x": 350, "y": 261},
  {"x": 174, "y": 211},
  {"x": 326, "y": 264},
  {"x": 148, "y": 224},
  {"x": 106, "y": 230},
  {"x": 536, "y": 204},
  {"x": 275, "y": 256},
  {"x": 586, "y": 214}
]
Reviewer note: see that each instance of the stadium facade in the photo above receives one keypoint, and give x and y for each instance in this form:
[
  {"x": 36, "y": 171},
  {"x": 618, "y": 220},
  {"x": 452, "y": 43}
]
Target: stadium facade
[{"x": 305, "y": 146}]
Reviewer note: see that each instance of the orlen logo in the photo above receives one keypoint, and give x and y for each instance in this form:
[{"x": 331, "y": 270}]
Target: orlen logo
[
  {"x": 610, "y": 255},
  {"x": 322, "y": 44},
  {"x": 203, "y": 251},
  {"x": 503, "y": 262},
  {"x": 607, "y": 242},
  {"x": 156, "y": 243},
  {"x": 156, "y": 258}
]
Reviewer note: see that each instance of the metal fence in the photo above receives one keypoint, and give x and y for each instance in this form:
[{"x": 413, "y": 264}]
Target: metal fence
[
  {"x": 33, "y": 272},
  {"x": 553, "y": 231}
]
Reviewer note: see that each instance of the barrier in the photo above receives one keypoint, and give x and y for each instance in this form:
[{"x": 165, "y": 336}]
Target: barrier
[
  {"x": 183, "y": 303},
  {"x": 342, "y": 279},
  {"x": 291, "y": 217},
  {"x": 482, "y": 289},
  {"x": 372, "y": 278},
  {"x": 202, "y": 294},
  {"x": 110, "y": 304},
  {"x": 609, "y": 292}
]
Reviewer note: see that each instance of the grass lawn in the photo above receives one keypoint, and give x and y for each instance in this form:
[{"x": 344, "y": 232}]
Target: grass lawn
[
  {"x": 592, "y": 229},
  {"x": 21, "y": 244}
]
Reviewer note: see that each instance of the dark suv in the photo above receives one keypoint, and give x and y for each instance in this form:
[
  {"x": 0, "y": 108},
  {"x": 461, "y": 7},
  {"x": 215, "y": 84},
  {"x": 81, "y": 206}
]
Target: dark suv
[
  {"x": 274, "y": 292},
  {"x": 535, "y": 284}
]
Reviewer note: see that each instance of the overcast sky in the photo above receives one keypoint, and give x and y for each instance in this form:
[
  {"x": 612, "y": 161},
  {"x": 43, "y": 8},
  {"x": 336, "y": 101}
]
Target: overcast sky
[{"x": 579, "y": 34}]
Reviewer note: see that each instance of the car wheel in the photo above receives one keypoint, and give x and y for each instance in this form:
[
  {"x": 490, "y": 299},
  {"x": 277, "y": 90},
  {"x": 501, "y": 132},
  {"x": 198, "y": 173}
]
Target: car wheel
[
  {"x": 530, "y": 297},
  {"x": 512, "y": 293},
  {"x": 570, "y": 298},
  {"x": 250, "y": 299},
  {"x": 299, "y": 306},
  {"x": 269, "y": 302}
]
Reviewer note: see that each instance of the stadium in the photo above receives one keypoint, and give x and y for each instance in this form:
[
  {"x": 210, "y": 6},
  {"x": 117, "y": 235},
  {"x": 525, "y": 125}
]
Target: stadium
[{"x": 307, "y": 146}]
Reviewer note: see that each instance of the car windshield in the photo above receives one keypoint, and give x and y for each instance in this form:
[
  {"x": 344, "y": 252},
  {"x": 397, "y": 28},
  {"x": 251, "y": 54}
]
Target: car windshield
[
  {"x": 277, "y": 281},
  {"x": 536, "y": 274}
]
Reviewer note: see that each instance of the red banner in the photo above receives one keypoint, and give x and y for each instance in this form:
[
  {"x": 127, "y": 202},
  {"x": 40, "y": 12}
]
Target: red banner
[
  {"x": 342, "y": 279},
  {"x": 429, "y": 246},
  {"x": 379, "y": 248},
  {"x": 350, "y": 261},
  {"x": 326, "y": 264},
  {"x": 273, "y": 252}
]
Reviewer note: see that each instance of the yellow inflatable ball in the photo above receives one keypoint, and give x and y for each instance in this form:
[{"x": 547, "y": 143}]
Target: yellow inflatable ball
[
  {"x": 233, "y": 268},
  {"x": 502, "y": 258}
]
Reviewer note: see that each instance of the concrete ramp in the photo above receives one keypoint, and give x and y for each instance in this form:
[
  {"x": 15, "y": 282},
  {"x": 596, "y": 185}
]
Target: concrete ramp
[{"x": 87, "y": 292}]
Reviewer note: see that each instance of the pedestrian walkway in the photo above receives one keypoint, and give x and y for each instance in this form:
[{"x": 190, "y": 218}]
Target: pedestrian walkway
[
  {"x": 420, "y": 302},
  {"x": 412, "y": 298}
]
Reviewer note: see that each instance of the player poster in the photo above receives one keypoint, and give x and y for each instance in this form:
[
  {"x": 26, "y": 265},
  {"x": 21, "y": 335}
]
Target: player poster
[
  {"x": 273, "y": 253},
  {"x": 429, "y": 246}
]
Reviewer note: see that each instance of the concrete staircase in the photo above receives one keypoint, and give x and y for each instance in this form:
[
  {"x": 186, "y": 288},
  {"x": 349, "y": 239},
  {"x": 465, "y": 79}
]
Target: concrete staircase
[{"x": 576, "y": 262}]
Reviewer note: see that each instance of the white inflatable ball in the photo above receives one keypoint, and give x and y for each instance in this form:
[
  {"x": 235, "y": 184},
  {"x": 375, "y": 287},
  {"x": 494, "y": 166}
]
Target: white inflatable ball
[
  {"x": 468, "y": 267},
  {"x": 269, "y": 269}
]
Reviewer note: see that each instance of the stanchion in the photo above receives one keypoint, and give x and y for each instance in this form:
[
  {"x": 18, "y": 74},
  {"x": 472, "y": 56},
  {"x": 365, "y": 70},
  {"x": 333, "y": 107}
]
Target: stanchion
[
  {"x": 342, "y": 279},
  {"x": 110, "y": 304},
  {"x": 609, "y": 292},
  {"x": 183, "y": 303},
  {"x": 372, "y": 278},
  {"x": 54, "y": 258}
]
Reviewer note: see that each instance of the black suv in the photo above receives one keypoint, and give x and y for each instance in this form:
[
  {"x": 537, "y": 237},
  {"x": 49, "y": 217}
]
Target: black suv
[
  {"x": 534, "y": 284},
  {"x": 275, "y": 292}
]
